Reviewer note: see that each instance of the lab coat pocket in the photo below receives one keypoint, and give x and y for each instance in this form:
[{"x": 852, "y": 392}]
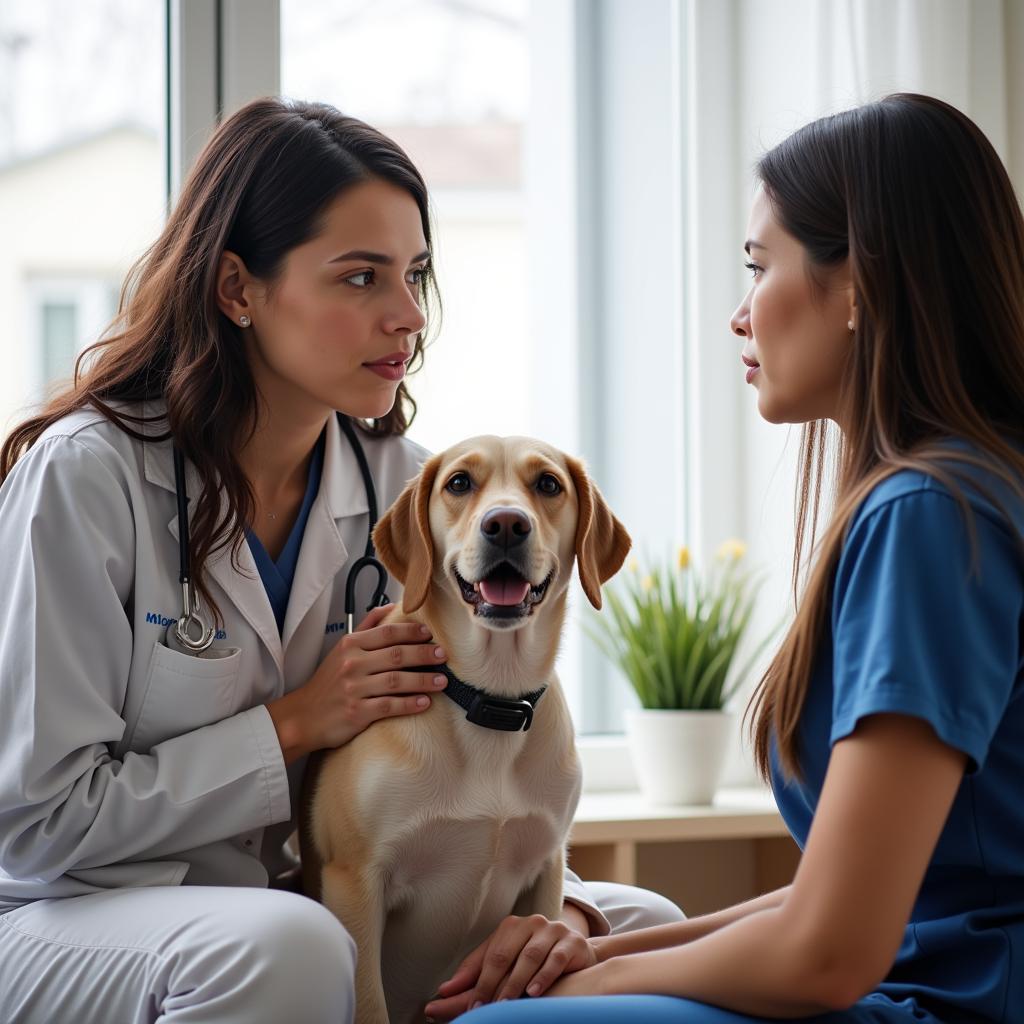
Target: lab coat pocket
[{"x": 184, "y": 692}]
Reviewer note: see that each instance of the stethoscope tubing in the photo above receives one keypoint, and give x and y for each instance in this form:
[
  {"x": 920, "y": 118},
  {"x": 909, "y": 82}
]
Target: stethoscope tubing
[
  {"x": 189, "y": 595},
  {"x": 178, "y": 631}
]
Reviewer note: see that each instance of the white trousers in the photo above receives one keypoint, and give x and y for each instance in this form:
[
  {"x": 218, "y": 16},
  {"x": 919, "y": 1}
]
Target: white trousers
[{"x": 190, "y": 954}]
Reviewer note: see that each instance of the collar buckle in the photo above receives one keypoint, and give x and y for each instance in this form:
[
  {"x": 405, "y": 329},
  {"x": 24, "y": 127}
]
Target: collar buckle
[{"x": 498, "y": 713}]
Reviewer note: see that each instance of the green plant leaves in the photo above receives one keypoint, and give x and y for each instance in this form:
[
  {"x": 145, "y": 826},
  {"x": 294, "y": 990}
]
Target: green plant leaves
[{"x": 674, "y": 633}]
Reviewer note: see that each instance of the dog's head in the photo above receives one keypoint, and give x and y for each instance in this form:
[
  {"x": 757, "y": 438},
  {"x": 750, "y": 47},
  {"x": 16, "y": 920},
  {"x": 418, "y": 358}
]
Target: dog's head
[{"x": 495, "y": 524}]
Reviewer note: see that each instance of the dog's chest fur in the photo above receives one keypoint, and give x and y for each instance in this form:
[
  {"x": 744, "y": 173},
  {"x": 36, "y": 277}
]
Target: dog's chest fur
[
  {"x": 455, "y": 823},
  {"x": 486, "y": 819}
]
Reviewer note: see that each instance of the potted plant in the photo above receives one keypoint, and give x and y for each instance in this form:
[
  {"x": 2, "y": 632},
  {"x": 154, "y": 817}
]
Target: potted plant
[{"x": 674, "y": 633}]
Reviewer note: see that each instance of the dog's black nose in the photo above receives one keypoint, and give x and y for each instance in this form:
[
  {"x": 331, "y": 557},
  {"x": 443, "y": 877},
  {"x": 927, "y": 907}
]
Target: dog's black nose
[{"x": 505, "y": 527}]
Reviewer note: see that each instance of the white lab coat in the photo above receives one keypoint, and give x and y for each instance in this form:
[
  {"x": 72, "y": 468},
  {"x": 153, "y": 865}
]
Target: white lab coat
[{"x": 124, "y": 762}]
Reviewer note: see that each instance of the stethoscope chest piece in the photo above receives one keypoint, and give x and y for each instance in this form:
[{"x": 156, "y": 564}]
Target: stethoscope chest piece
[{"x": 190, "y": 632}]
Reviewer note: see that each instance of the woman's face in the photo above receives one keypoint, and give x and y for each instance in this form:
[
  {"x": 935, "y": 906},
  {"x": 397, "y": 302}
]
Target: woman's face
[
  {"x": 338, "y": 326},
  {"x": 797, "y": 337}
]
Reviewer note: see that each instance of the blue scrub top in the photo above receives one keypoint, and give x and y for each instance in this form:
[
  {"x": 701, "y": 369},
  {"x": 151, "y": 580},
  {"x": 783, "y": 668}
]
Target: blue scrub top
[
  {"x": 919, "y": 629},
  {"x": 278, "y": 576}
]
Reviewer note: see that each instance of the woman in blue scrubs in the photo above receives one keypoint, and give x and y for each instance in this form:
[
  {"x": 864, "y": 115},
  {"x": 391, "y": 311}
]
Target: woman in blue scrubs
[{"x": 887, "y": 306}]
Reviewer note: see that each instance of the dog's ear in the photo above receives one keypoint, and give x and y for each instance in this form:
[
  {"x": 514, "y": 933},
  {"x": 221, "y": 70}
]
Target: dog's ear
[
  {"x": 402, "y": 537},
  {"x": 602, "y": 542}
]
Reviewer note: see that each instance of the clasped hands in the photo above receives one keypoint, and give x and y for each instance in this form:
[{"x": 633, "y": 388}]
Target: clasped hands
[{"x": 524, "y": 955}]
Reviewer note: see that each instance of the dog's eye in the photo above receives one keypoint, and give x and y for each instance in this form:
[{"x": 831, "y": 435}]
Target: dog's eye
[
  {"x": 459, "y": 483},
  {"x": 548, "y": 484}
]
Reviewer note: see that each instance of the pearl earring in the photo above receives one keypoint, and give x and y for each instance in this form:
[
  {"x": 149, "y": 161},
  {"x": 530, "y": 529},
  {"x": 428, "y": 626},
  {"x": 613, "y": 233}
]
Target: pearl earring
[
  {"x": 849, "y": 324},
  {"x": 244, "y": 321}
]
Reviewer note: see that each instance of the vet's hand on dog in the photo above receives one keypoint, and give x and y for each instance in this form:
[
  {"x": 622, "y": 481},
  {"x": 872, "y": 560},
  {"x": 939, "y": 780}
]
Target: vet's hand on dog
[
  {"x": 364, "y": 678},
  {"x": 525, "y": 954}
]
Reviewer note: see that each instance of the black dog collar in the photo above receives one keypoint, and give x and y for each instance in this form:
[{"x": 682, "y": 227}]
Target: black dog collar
[{"x": 483, "y": 709}]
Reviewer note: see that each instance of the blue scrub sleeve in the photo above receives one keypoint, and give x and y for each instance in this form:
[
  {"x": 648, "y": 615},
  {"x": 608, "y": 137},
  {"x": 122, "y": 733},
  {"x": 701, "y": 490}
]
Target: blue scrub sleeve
[{"x": 922, "y": 628}]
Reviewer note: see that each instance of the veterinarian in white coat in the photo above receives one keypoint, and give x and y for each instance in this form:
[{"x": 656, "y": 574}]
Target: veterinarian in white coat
[{"x": 146, "y": 793}]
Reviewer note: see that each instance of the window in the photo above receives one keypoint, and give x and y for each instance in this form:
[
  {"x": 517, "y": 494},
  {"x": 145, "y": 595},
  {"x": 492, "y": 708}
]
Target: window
[
  {"x": 545, "y": 270},
  {"x": 499, "y": 102},
  {"x": 66, "y": 314},
  {"x": 477, "y": 94},
  {"x": 449, "y": 83},
  {"x": 549, "y": 135},
  {"x": 82, "y": 177},
  {"x": 58, "y": 346}
]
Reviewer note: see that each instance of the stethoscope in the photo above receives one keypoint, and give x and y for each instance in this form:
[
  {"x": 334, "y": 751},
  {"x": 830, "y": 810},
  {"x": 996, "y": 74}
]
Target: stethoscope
[{"x": 191, "y": 633}]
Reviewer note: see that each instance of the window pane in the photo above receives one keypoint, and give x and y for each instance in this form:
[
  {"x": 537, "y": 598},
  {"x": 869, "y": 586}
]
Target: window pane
[
  {"x": 82, "y": 176},
  {"x": 448, "y": 82},
  {"x": 58, "y": 339},
  {"x": 451, "y": 83}
]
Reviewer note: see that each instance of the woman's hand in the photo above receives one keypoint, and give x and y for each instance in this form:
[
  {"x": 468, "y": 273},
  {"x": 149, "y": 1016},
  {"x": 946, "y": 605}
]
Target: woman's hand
[
  {"x": 364, "y": 678},
  {"x": 525, "y": 954},
  {"x": 591, "y": 981}
]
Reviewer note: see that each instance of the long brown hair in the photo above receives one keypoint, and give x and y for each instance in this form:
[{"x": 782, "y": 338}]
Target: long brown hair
[
  {"x": 258, "y": 188},
  {"x": 911, "y": 191}
]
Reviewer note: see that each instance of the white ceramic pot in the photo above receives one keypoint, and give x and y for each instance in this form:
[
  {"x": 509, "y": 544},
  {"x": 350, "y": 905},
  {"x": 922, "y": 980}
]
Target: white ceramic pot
[{"x": 678, "y": 755}]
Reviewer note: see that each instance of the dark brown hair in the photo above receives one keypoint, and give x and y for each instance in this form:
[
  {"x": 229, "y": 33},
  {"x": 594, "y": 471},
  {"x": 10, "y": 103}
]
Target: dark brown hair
[
  {"x": 913, "y": 194},
  {"x": 259, "y": 188}
]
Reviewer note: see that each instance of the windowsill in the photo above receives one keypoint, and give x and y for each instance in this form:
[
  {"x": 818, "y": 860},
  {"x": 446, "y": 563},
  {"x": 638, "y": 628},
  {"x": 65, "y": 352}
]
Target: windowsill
[
  {"x": 608, "y": 766},
  {"x": 736, "y": 813}
]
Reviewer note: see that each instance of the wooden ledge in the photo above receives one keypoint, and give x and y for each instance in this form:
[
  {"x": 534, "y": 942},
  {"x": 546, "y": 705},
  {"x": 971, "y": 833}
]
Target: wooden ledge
[{"x": 735, "y": 814}]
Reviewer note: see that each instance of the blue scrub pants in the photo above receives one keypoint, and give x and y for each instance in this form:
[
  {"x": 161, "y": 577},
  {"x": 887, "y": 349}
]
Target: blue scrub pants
[{"x": 875, "y": 1009}]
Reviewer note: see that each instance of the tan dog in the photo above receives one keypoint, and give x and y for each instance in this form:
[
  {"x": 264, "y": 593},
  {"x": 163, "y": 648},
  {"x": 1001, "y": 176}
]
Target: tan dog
[{"x": 425, "y": 831}]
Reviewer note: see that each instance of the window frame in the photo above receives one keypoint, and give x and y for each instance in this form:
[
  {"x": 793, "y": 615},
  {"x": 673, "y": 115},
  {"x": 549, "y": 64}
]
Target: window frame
[{"x": 220, "y": 55}]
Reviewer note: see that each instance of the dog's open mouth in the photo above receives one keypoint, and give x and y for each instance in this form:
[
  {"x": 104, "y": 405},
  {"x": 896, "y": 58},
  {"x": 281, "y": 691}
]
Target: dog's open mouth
[{"x": 503, "y": 593}]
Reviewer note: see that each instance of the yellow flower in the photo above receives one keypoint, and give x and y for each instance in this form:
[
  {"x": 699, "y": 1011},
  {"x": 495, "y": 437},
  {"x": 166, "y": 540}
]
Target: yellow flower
[
  {"x": 731, "y": 550},
  {"x": 632, "y": 565},
  {"x": 683, "y": 561},
  {"x": 647, "y": 582}
]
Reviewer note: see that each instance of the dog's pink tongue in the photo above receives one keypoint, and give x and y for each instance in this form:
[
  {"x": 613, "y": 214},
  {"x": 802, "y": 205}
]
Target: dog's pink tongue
[{"x": 506, "y": 592}]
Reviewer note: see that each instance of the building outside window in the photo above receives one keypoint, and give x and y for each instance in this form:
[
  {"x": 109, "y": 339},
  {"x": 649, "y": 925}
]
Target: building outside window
[{"x": 82, "y": 177}]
